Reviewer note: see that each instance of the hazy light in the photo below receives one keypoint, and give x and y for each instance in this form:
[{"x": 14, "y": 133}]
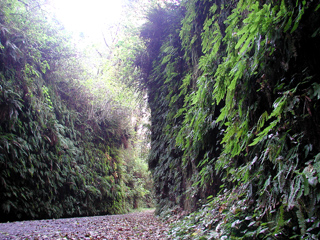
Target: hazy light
[{"x": 88, "y": 17}]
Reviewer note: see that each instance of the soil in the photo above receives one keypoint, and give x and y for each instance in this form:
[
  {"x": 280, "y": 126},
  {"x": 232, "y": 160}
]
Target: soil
[{"x": 140, "y": 225}]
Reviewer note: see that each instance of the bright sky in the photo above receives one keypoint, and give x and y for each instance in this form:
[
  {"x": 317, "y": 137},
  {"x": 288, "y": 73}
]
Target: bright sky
[{"x": 90, "y": 17}]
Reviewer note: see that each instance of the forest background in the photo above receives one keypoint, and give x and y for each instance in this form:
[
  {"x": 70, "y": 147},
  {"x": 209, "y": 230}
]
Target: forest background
[{"x": 233, "y": 93}]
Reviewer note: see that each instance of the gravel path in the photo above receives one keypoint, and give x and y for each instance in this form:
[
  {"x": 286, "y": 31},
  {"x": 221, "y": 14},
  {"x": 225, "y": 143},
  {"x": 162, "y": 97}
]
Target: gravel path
[{"x": 142, "y": 225}]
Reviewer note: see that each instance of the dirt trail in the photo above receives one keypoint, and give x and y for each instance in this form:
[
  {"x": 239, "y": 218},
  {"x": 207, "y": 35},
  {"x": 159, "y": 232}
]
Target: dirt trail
[{"x": 141, "y": 225}]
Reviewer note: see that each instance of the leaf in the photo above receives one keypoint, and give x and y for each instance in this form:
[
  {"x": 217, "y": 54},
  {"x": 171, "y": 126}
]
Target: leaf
[
  {"x": 242, "y": 39},
  {"x": 264, "y": 133},
  {"x": 301, "y": 220},
  {"x": 245, "y": 46},
  {"x": 316, "y": 90},
  {"x": 288, "y": 25},
  {"x": 262, "y": 120},
  {"x": 266, "y": 185}
]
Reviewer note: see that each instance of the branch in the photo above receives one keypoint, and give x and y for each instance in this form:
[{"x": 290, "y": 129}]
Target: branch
[
  {"x": 99, "y": 53},
  {"x": 26, "y": 4},
  {"x": 105, "y": 41}
]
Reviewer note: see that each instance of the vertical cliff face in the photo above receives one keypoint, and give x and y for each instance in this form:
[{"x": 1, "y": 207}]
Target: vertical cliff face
[
  {"x": 165, "y": 160},
  {"x": 56, "y": 158},
  {"x": 63, "y": 151},
  {"x": 233, "y": 91},
  {"x": 170, "y": 72}
]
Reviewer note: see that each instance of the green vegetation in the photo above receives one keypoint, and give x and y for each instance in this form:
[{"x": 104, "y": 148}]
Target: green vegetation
[
  {"x": 66, "y": 149},
  {"x": 233, "y": 92}
]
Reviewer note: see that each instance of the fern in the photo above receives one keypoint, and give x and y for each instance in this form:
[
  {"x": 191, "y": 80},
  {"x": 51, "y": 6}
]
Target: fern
[{"x": 301, "y": 221}]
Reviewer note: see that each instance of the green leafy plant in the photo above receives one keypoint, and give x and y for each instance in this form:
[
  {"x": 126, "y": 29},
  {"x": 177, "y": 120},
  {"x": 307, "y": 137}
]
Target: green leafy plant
[
  {"x": 241, "y": 112},
  {"x": 60, "y": 148}
]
